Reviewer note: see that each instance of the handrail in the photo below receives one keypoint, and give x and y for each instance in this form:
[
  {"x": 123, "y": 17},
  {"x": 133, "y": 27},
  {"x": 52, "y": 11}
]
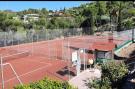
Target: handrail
[{"x": 123, "y": 45}]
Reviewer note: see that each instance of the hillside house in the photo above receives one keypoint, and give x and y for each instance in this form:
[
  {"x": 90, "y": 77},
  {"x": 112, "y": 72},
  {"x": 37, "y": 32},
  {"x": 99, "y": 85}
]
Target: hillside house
[{"x": 30, "y": 17}]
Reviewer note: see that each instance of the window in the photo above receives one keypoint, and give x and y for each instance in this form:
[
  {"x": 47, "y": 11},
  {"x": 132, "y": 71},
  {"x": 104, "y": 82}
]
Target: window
[
  {"x": 100, "y": 54},
  {"x": 103, "y": 55}
]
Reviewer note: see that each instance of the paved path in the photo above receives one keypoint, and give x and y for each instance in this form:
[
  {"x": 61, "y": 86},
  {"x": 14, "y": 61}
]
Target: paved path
[{"x": 83, "y": 78}]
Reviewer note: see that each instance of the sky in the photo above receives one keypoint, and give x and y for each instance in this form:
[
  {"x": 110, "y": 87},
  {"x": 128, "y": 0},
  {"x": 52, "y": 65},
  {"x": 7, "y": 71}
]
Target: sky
[{"x": 49, "y": 5}]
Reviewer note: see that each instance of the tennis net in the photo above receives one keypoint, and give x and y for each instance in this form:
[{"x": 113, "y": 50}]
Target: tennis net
[{"x": 20, "y": 55}]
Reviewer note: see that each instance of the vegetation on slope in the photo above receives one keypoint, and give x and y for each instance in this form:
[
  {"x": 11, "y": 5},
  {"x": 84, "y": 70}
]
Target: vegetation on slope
[
  {"x": 46, "y": 83},
  {"x": 95, "y": 14},
  {"x": 113, "y": 76}
]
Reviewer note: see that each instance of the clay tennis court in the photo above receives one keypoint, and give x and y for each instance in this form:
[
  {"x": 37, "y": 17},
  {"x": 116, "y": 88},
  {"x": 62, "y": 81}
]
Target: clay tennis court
[{"x": 34, "y": 61}]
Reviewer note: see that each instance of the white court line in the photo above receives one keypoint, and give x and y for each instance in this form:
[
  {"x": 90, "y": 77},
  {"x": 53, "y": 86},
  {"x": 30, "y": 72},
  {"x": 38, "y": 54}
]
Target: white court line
[
  {"x": 33, "y": 61},
  {"x": 48, "y": 64},
  {"x": 15, "y": 54},
  {"x": 40, "y": 62},
  {"x": 36, "y": 60},
  {"x": 48, "y": 58}
]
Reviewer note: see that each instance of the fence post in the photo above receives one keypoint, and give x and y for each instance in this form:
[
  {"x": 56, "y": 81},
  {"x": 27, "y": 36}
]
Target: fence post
[
  {"x": 18, "y": 45},
  {"x": 12, "y": 38},
  {"x": 78, "y": 61},
  {"x": 84, "y": 58},
  {"x": 32, "y": 45},
  {"x": 48, "y": 37},
  {"x": 5, "y": 39},
  {"x": 2, "y": 75},
  {"x": 37, "y": 37},
  {"x": 68, "y": 58},
  {"x": 63, "y": 49}
]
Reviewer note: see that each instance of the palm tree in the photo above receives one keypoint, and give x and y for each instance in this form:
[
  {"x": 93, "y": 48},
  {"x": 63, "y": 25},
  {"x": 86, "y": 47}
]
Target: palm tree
[
  {"x": 121, "y": 6},
  {"x": 111, "y": 6},
  {"x": 98, "y": 14}
]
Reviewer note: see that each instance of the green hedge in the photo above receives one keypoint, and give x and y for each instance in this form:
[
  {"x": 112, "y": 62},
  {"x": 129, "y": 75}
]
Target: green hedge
[{"x": 46, "y": 83}]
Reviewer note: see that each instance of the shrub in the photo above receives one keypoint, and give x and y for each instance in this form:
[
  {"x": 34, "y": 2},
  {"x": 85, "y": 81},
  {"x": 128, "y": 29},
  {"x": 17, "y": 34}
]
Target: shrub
[
  {"x": 112, "y": 76},
  {"x": 46, "y": 83}
]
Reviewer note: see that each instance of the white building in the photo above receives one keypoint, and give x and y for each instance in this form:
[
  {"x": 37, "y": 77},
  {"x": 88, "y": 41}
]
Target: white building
[
  {"x": 16, "y": 18},
  {"x": 30, "y": 17}
]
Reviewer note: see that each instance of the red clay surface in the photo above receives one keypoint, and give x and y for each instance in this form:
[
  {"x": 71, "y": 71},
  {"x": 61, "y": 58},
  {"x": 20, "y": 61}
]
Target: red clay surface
[{"x": 45, "y": 58}]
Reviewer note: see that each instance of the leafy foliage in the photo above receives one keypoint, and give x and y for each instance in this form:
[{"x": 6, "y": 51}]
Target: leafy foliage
[
  {"x": 59, "y": 23},
  {"x": 112, "y": 76},
  {"x": 46, "y": 84},
  {"x": 117, "y": 11}
]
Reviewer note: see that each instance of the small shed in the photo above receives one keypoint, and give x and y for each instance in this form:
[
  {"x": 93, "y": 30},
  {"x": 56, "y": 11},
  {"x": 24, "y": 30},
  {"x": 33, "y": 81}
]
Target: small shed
[{"x": 103, "y": 51}]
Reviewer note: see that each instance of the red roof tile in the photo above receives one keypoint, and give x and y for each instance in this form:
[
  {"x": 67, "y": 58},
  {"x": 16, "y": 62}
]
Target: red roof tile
[{"x": 103, "y": 46}]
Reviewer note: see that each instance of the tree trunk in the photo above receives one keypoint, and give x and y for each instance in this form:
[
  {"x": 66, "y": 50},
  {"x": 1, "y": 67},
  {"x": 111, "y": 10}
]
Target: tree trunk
[
  {"x": 91, "y": 32},
  {"x": 119, "y": 19}
]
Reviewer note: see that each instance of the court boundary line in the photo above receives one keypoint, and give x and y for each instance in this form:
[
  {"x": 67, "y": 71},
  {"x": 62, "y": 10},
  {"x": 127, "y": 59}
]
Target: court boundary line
[
  {"x": 40, "y": 68},
  {"x": 35, "y": 61},
  {"x": 15, "y": 54},
  {"x": 37, "y": 69}
]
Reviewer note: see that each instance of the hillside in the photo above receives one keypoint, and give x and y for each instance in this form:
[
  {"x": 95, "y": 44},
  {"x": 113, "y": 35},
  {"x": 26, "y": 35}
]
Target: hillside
[{"x": 97, "y": 16}]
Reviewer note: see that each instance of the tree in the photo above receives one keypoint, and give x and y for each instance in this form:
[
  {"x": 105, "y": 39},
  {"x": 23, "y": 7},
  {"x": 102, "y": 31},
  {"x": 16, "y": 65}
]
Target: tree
[
  {"x": 3, "y": 17},
  {"x": 41, "y": 22},
  {"x": 127, "y": 24},
  {"x": 6, "y": 21},
  {"x": 78, "y": 20},
  {"x": 119, "y": 17},
  {"x": 65, "y": 23},
  {"x": 131, "y": 12},
  {"x": 113, "y": 75},
  {"x": 111, "y": 6},
  {"x": 44, "y": 11},
  {"x": 53, "y": 23},
  {"x": 92, "y": 24},
  {"x": 101, "y": 6},
  {"x": 88, "y": 24}
]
